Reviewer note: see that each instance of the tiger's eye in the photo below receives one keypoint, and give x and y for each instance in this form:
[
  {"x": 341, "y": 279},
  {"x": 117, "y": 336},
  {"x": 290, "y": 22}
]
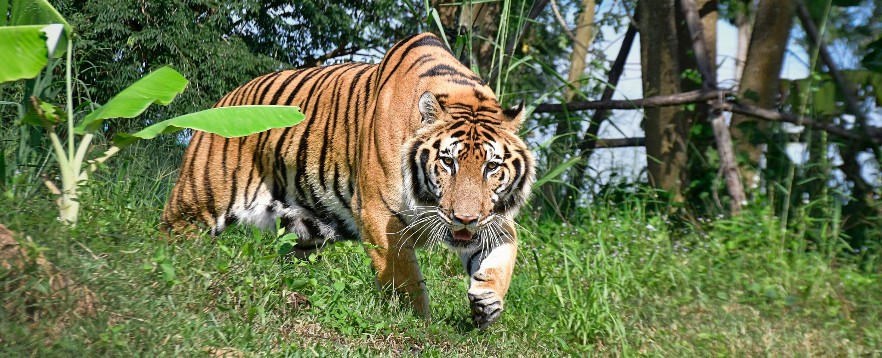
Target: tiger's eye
[
  {"x": 447, "y": 161},
  {"x": 492, "y": 166}
]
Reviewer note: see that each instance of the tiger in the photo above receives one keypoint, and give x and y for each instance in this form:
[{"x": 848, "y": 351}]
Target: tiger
[{"x": 404, "y": 154}]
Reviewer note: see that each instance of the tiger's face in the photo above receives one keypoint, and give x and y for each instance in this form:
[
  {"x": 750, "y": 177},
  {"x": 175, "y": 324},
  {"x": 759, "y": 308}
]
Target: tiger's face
[{"x": 466, "y": 172}]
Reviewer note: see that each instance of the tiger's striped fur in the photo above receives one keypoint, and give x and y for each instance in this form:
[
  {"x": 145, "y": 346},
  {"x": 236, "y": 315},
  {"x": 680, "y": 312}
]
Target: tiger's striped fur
[{"x": 412, "y": 151}]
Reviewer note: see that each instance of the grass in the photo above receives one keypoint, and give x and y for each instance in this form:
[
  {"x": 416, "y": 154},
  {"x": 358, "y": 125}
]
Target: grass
[{"x": 618, "y": 281}]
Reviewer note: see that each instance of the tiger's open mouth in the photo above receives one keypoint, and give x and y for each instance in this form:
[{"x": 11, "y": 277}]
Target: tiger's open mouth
[{"x": 462, "y": 235}]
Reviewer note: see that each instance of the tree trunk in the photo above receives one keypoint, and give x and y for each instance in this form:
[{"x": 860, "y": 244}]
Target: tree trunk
[
  {"x": 743, "y": 23},
  {"x": 759, "y": 83},
  {"x": 664, "y": 127},
  {"x": 474, "y": 20},
  {"x": 584, "y": 38}
]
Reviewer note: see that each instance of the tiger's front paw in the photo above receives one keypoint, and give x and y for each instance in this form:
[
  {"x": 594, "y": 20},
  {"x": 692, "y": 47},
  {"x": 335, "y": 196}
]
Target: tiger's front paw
[{"x": 485, "y": 302}]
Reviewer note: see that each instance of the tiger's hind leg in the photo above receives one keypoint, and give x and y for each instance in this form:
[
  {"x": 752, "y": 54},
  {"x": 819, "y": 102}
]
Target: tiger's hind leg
[
  {"x": 312, "y": 235},
  {"x": 490, "y": 270}
]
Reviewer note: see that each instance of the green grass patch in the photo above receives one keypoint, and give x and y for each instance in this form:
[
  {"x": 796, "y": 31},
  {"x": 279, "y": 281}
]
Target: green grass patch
[{"x": 617, "y": 281}]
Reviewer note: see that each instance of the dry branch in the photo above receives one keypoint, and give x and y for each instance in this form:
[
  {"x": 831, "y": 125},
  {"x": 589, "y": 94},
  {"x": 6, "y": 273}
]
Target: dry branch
[
  {"x": 654, "y": 101},
  {"x": 774, "y": 116},
  {"x": 727, "y": 105},
  {"x": 620, "y": 142}
]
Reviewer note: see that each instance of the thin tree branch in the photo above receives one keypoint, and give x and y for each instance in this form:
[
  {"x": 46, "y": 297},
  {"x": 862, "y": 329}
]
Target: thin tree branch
[
  {"x": 337, "y": 52},
  {"x": 698, "y": 96},
  {"x": 619, "y": 142},
  {"x": 654, "y": 101},
  {"x": 814, "y": 36},
  {"x": 563, "y": 24},
  {"x": 874, "y": 133}
]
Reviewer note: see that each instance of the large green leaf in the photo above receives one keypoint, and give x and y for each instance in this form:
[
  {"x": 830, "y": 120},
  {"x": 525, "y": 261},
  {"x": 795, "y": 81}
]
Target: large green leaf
[
  {"x": 37, "y": 12},
  {"x": 160, "y": 86},
  {"x": 225, "y": 121},
  {"x": 23, "y": 52}
]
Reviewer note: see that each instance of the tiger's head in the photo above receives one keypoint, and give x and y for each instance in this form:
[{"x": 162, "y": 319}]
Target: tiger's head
[{"x": 466, "y": 171}]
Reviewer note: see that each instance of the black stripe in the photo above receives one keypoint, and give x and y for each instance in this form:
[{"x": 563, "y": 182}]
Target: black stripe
[
  {"x": 235, "y": 180},
  {"x": 427, "y": 41},
  {"x": 415, "y": 171},
  {"x": 197, "y": 138},
  {"x": 300, "y": 178},
  {"x": 472, "y": 259},
  {"x": 419, "y": 61},
  {"x": 392, "y": 50},
  {"x": 424, "y": 164},
  {"x": 209, "y": 192},
  {"x": 394, "y": 212},
  {"x": 257, "y": 86},
  {"x": 485, "y": 108},
  {"x": 224, "y": 156},
  {"x": 352, "y": 103},
  {"x": 225, "y": 100},
  {"x": 329, "y": 131},
  {"x": 256, "y": 166},
  {"x": 515, "y": 186},
  {"x": 480, "y": 96},
  {"x": 249, "y": 88},
  {"x": 443, "y": 70},
  {"x": 310, "y": 73},
  {"x": 288, "y": 79},
  {"x": 312, "y": 229},
  {"x": 336, "y": 188},
  {"x": 274, "y": 76}
]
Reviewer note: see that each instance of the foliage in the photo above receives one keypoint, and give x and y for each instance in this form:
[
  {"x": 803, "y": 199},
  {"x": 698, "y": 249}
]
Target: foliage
[
  {"x": 218, "y": 45},
  {"x": 322, "y": 30},
  {"x": 161, "y": 86},
  {"x": 826, "y": 99}
]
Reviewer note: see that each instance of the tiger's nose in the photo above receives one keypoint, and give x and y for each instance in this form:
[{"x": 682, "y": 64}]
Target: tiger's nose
[{"x": 466, "y": 219}]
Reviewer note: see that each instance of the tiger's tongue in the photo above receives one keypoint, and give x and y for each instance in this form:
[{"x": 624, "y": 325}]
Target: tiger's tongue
[{"x": 462, "y": 235}]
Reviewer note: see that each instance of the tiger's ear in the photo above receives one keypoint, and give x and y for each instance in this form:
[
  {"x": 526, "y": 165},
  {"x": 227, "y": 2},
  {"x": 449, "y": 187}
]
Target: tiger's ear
[
  {"x": 514, "y": 116},
  {"x": 430, "y": 109}
]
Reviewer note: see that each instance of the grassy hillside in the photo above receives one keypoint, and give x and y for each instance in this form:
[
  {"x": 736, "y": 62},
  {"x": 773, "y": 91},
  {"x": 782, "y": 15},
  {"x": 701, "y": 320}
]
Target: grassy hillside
[{"x": 617, "y": 281}]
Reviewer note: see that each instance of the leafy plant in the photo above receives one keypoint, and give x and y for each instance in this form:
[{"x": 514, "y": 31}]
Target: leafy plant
[{"x": 29, "y": 44}]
